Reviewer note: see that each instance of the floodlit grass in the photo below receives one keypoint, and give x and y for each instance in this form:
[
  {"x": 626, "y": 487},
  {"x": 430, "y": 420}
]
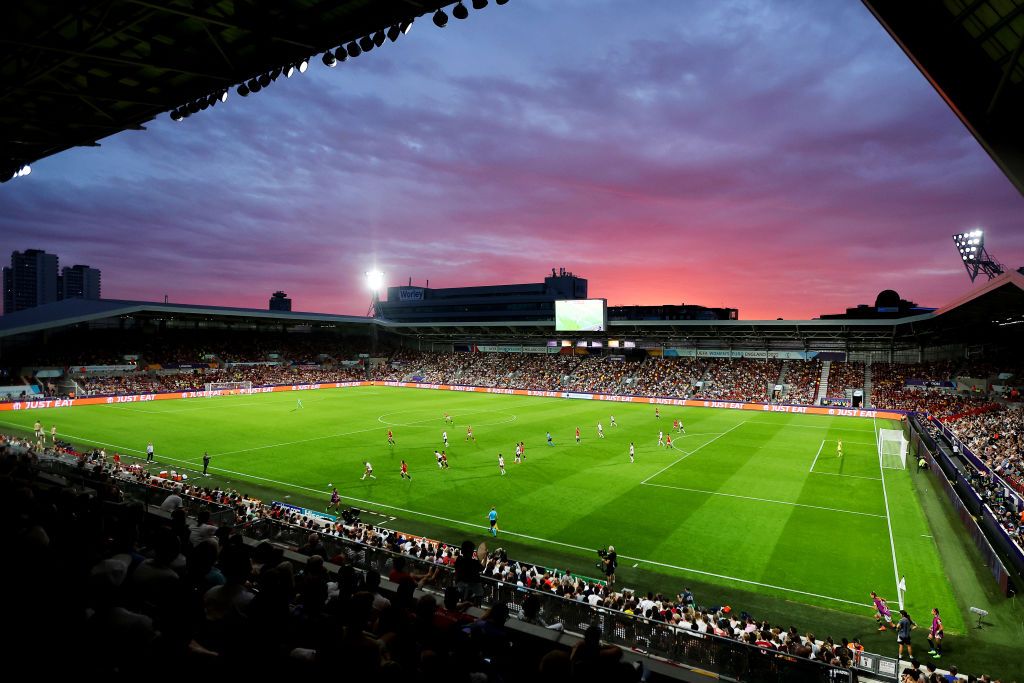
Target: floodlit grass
[{"x": 735, "y": 503}]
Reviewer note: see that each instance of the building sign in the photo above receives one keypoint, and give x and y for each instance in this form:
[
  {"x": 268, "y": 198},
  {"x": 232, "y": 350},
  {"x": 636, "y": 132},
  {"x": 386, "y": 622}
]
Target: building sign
[{"x": 410, "y": 294}]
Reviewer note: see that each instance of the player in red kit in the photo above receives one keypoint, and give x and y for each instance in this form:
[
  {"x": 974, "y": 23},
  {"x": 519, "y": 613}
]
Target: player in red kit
[
  {"x": 577, "y": 435},
  {"x": 391, "y": 438}
]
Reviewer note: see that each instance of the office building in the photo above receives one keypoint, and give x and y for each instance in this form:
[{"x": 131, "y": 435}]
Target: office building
[{"x": 31, "y": 280}]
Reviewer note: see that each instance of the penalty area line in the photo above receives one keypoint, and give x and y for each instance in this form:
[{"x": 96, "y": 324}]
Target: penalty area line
[
  {"x": 816, "y": 456},
  {"x": 686, "y": 455}
]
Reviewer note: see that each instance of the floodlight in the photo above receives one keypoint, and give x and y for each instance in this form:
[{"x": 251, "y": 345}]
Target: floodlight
[
  {"x": 254, "y": 85},
  {"x": 366, "y": 43},
  {"x": 971, "y": 247},
  {"x": 353, "y": 49},
  {"x": 176, "y": 116},
  {"x": 406, "y": 26},
  {"x": 378, "y": 38},
  {"x": 289, "y": 71},
  {"x": 440, "y": 19},
  {"x": 265, "y": 80},
  {"x": 224, "y": 96},
  {"x": 394, "y": 32},
  {"x": 303, "y": 65},
  {"x": 243, "y": 90},
  {"x": 340, "y": 54},
  {"x": 329, "y": 60},
  {"x": 25, "y": 170},
  {"x": 501, "y": 2},
  {"x": 460, "y": 11},
  {"x": 374, "y": 280},
  {"x": 479, "y": 4}
]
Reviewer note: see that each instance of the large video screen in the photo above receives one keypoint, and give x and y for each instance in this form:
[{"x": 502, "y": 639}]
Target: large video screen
[{"x": 581, "y": 315}]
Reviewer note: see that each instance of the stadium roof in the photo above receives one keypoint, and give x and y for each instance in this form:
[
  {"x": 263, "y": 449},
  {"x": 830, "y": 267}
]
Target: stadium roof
[
  {"x": 73, "y": 73},
  {"x": 992, "y": 311},
  {"x": 972, "y": 52},
  {"x": 76, "y": 311}
]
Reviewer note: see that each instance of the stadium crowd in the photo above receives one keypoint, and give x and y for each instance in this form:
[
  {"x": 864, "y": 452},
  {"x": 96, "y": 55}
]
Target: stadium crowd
[
  {"x": 145, "y": 591},
  {"x": 844, "y": 376},
  {"x": 803, "y": 379}
]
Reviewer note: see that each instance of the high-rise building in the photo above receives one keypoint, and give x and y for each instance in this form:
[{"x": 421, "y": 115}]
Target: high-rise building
[
  {"x": 30, "y": 280},
  {"x": 279, "y": 301},
  {"x": 80, "y": 282}
]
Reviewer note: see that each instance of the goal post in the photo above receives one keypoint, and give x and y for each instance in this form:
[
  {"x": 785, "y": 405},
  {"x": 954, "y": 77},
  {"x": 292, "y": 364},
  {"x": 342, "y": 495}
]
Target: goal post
[
  {"x": 228, "y": 386},
  {"x": 892, "y": 449}
]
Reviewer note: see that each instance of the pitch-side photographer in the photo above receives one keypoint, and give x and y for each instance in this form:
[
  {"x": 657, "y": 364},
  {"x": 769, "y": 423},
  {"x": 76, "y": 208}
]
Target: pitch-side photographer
[{"x": 610, "y": 560}]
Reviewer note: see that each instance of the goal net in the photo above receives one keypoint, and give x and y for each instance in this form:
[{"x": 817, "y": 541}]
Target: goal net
[
  {"x": 228, "y": 386},
  {"x": 892, "y": 449}
]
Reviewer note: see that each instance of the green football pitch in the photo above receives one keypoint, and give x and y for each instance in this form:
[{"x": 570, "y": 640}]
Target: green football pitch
[{"x": 744, "y": 500}]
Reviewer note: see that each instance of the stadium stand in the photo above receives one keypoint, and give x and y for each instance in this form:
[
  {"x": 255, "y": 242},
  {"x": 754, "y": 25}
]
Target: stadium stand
[{"x": 158, "y": 586}]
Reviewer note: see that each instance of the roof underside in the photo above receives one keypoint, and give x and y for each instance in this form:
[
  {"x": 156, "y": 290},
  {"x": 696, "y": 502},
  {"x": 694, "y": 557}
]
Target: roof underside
[
  {"x": 993, "y": 312},
  {"x": 972, "y": 52},
  {"x": 74, "y": 73}
]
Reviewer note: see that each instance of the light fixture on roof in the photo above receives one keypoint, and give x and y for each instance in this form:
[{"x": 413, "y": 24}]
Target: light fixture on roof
[
  {"x": 353, "y": 49},
  {"x": 479, "y": 4},
  {"x": 303, "y": 65},
  {"x": 394, "y": 32},
  {"x": 265, "y": 80},
  {"x": 501, "y": 2},
  {"x": 254, "y": 85},
  {"x": 976, "y": 259},
  {"x": 379, "y": 38},
  {"x": 243, "y": 90},
  {"x": 440, "y": 19},
  {"x": 406, "y": 25},
  {"x": 223, "y": 96},
  {"x": 460, "y": 11},
  {"x": 366, "y": 43},
  {"x": 176, "y": 116},
  {"x": 289, "y": 71},
  {"x": 329, "y": 60},
  {"x": 340, "y": 54}
]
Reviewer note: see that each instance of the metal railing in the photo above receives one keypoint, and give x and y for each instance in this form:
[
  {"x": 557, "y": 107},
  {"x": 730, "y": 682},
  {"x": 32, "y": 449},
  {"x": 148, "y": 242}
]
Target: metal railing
[{"x": 706, "y": 652}]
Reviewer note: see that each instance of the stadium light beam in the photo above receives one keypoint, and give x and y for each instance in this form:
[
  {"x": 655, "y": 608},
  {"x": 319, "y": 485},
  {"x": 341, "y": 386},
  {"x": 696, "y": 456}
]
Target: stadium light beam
[{"x": 374, "y": 280}]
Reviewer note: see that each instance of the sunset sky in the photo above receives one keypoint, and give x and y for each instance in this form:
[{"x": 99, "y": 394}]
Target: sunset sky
[{"x": 784, "y": 158}]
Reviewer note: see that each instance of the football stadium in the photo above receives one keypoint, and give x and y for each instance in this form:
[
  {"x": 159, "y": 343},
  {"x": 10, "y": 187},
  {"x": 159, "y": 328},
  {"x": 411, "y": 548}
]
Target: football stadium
[{"x": 501, "y": 481}]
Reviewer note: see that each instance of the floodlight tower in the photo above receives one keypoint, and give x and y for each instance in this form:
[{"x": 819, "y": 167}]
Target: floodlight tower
[
  {"x": 972, "y": 252},
  {"x": 374, "y": 281}
]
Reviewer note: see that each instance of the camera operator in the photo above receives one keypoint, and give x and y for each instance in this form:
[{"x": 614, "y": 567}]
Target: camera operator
[{"x": 610, "y": 560}]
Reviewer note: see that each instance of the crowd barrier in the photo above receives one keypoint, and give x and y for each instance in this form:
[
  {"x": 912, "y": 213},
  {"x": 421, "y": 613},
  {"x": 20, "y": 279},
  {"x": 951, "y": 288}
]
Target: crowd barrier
[
  {"x": 220, "y": 514},
  {"x": 970, "y": 508},
  {"x": 709, "y": 653},
  {"x": 652, "y": 400}
]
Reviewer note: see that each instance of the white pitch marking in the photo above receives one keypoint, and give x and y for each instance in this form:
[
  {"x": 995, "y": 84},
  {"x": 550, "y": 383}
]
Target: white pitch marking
[
  {"x": 686, "y": 455},
  {"x": 510, "y": 533},
  {"x": 766, "y": 500},
  {"x": 816, "y": 455}
]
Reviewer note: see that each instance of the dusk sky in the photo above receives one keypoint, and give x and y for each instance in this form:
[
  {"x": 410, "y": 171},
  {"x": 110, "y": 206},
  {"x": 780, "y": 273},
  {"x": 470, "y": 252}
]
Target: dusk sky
[{"x": 784, "y": 158}]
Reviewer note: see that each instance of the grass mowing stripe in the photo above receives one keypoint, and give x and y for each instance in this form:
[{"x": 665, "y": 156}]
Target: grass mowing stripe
[
  {"x": 888, "y": 519},
  {"x": 563, "y": 544},
  {"x": 852, "y": 476},
  {"x": 686, "y": 455},
  {"x": 765, "y": 500}
]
